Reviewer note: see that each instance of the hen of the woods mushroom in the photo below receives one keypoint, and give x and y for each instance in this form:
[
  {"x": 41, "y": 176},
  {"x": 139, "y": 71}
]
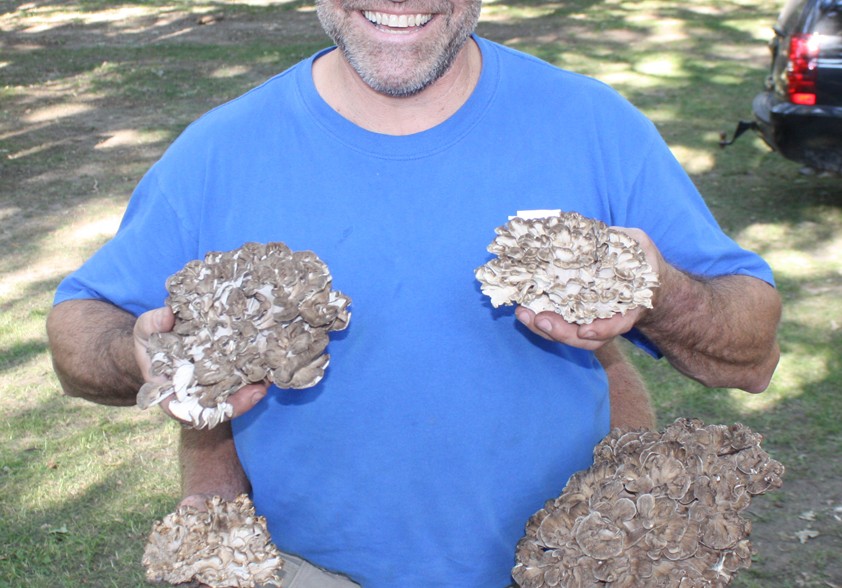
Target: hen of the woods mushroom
[
  {"x": 260, "y": 312},
  {"x": 225, "y": 545},
  {"x": 655, "y": 510},
  {"x": 575, "y": 266}
]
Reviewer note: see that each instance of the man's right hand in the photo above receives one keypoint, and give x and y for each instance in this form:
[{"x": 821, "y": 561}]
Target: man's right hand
[
  {"x": 158, "y": 320},
  {"x": 162, "y": 320}
]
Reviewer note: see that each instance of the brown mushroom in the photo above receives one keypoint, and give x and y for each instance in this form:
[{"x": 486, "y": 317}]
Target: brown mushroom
[
  {"x": 663, "y": 509},
  {"x": 260, "y": 312},
  {"x": 227, "y": 545},
  {"x": 572, "y": 265}
]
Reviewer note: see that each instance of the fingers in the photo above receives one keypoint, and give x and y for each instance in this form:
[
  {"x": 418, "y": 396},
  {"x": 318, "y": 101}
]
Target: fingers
[
  {"x": 242, "y": 400},
  {"x": 553, "y": 327},
  {"x": 247, "y": 397},
  {"x": 162, "y": 320},
  {"x": 592, "y": 336}
]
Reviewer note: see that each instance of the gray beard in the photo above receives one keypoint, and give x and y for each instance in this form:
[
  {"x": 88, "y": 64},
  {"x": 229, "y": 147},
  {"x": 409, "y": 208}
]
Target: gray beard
[
  {"x": 413, "y": 85},
  {"x": 360, "y": 58}
]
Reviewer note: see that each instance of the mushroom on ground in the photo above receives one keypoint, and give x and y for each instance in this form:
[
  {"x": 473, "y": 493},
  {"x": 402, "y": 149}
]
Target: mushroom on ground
[
  {"x": 257, "y": 313},
  {"x": 572, "y": 265},
  {"x": 654, "y": 509},
  {"x": 225, "y": 546}
]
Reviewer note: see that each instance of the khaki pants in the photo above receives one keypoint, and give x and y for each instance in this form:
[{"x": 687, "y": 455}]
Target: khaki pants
[{"x": 298, "y": 573}]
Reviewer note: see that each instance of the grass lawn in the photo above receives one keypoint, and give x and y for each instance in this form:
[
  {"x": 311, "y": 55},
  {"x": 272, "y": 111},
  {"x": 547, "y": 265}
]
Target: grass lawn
[{"x": 92, "y": 91}]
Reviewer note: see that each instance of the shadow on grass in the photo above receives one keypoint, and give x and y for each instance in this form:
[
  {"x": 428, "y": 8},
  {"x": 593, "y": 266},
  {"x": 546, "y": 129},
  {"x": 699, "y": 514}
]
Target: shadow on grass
[
  {"x": 695, "y": 84},
  {"x": 80, "y": 486},
  {"x": 20, "y": 353},
  {"x": 26, "y": 292},
  {"x": 811, "y": 414},
  {"x": 88, "y": 6},
  {"x": 93, "y": 539},
  {"x": 90, "y": 104}
]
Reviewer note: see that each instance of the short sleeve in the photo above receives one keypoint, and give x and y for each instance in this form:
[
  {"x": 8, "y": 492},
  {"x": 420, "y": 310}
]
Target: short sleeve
[
  {"x": 664, "y": 202},
  {"x": 130, "y": 271}
]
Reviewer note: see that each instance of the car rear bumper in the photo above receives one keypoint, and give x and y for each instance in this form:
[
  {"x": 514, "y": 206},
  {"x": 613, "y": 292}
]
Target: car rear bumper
[{"x": 808, "y": 134}]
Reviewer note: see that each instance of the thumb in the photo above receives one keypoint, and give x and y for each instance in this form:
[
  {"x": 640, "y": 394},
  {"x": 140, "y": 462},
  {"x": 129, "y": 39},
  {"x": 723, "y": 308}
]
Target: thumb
[
  {"x": 157, "y": 320},
  {"x": 246, "y": 397}
]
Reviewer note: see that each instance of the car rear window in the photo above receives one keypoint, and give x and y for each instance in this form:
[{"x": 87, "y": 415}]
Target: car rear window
[{"x": 830, "y": 22}]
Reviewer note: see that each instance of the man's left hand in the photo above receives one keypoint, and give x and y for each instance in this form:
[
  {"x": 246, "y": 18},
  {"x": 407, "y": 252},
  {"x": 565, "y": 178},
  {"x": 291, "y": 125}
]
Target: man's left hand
[{"x": 553, "y": 327}]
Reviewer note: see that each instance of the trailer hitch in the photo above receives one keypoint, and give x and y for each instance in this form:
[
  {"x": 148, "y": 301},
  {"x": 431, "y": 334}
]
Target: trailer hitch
[{"x": 742, "y": 127}]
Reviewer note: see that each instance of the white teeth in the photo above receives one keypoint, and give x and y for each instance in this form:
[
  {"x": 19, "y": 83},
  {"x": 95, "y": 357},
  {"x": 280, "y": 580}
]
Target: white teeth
[{"x": 397, "y": 21}]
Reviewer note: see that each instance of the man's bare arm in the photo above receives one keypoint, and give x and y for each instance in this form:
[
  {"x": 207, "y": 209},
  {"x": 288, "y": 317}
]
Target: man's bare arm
[
  {"x": 93, "y": 351},
  {"x": 631, "y": 405},
  {"x": 210, "y": 466},
  {"x": 99, "y": 353},
  {"x": 96, "y": 352},
  {"x": 719, "y": 331}
]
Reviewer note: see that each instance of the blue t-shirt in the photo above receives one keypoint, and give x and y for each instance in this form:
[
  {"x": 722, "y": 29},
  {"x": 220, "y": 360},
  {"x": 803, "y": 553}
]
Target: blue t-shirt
[{"x": 441, "y": 424}]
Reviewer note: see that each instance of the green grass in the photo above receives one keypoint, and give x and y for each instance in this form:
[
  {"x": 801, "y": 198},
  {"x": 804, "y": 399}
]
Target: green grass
[{"x": 88, "y": 101}]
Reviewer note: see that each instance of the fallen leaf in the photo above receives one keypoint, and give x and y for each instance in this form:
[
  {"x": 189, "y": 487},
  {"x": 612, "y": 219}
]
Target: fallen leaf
[
  {"x": 806, "y": 534},
  {"x": 55, "y": 530}
]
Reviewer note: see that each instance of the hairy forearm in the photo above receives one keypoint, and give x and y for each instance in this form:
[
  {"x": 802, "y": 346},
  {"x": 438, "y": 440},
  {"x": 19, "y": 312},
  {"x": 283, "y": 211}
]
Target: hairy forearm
[
  {"x": 209, "y": 463},
  {"x": 720, "y": 331},
  {"x": 93, "y": 351},
  {"x": 631, "y": 405}
]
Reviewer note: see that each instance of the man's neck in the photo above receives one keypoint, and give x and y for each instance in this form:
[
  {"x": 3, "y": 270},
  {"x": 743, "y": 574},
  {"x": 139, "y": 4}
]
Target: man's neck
[{"x": 341, "y": 87}]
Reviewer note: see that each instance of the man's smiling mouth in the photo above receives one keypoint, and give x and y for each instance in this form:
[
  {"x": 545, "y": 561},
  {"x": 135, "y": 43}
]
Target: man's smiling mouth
[{"x": 398, "y": 21}]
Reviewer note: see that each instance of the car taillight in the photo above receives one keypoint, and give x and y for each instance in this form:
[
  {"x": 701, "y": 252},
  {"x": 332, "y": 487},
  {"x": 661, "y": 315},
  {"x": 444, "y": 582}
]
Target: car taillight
[{"x": 801, "y": 71}]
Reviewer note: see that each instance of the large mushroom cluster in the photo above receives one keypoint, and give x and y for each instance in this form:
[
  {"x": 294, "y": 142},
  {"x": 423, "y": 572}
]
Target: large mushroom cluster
[
  {"x": 569, "y": 264},
  {"x": 257, "y": 313},
  {"x": 226, "y": 545},
  {"x": 655, "y": 509}
]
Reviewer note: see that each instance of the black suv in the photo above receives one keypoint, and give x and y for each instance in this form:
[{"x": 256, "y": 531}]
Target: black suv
[{"x": 799, "y": 113}]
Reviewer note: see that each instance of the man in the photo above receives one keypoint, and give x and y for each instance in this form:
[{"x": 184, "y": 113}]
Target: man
[{"x": 442, "y": 425}]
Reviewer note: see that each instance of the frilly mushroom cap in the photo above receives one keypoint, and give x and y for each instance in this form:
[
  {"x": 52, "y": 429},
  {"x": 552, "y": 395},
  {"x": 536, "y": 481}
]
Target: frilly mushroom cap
[
  {"x": 654, "y": 509},
  {"x": 575, "y": 266},
  {"x": 260, "y": 312},
  {"x": 227, "y": 545}
]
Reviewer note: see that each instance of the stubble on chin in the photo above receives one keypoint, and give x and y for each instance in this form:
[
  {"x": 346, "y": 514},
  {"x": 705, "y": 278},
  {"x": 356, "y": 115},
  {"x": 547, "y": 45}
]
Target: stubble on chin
[
  {"x": 399, "y": 73},
  {"x": 396, "y": 72}
]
